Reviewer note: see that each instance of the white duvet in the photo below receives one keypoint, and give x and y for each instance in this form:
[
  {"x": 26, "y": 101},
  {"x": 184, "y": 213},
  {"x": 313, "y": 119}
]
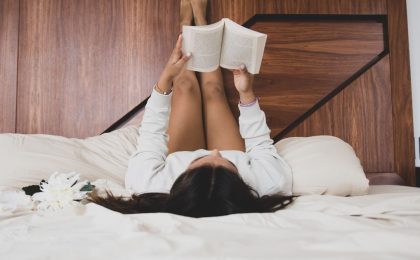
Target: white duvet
[{"x": 382, "y": 225}]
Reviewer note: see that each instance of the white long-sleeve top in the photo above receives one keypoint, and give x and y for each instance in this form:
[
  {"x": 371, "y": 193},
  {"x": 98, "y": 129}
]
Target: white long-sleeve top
[{"x": 151, "y": 169}]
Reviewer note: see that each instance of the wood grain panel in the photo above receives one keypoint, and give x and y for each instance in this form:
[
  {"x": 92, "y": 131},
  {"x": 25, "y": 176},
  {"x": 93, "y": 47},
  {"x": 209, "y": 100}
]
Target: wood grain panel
[
  {"x": 360, "y": 115},
  {"x": 238, "y": 10},
  {"x": 304, "y": 61},
  {"x": 83, "y": 64},
  {"x": 402, "y": 111},
  {"x": 9, "y": 27},
  {"x": 322, "y": 7},
  {"x": 386, "y": 178},
  {"x": 242, "y": 10}
]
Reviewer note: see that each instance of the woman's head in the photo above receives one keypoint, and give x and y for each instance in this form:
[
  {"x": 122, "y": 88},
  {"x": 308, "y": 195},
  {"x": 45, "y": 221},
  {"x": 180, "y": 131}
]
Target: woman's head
[
  {"x": 203, "y": 190},
  {"x": 210, "y": 190},
  {"x": 214, "y": 159}
]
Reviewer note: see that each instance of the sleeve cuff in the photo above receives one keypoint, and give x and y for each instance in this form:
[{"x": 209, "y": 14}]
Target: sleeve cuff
[
  {"x": 249, "y": 104},
  {"x": 250, "y": 111},
  {"x": 159, "y": 100}
]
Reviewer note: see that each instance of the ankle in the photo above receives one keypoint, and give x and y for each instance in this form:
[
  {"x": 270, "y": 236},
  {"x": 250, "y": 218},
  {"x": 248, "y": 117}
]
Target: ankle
[
  {"x": 186, "y": 16},
  {"x": 185, "y": 22},
  {"x": 199, "y": 8},
  {"x": 200, "y": 21}
]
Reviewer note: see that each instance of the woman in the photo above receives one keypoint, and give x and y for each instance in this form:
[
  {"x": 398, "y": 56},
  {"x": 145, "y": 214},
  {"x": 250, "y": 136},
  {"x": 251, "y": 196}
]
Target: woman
[{"x": 192, "y": 158}]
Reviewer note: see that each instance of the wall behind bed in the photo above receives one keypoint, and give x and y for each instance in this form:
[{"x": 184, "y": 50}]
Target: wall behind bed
[
  {"x": 413, "y": 9},
  {"x": 79, "y": 67}
]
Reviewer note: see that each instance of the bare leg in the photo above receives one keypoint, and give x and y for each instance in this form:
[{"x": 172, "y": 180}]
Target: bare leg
[
  {"x": 199, "y": 8},
  {"x": 221, "y": 128},
  {"x": 185, "y": 130},
  {"x": 186, "y": 13}
]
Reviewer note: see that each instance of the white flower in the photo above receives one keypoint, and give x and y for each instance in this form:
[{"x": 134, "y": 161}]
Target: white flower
[{"x": 59, "y": 192}]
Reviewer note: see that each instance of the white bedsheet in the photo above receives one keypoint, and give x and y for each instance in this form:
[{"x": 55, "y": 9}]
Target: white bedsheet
[{"x": 382, "y": 225}]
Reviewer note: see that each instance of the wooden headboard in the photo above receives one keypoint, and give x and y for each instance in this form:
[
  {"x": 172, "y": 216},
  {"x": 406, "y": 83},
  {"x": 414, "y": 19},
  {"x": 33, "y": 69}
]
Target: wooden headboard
[{"x": 80, "y": 68}]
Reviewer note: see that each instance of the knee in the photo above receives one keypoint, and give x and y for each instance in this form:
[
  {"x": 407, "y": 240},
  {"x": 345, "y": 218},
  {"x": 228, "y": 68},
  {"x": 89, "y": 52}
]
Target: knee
[
  {"x": 186, "y": 86},
  {"x": 213, "y": 91}
]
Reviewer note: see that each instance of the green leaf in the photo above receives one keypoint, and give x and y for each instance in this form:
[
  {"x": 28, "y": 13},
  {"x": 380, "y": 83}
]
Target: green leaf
[
  {"x": 31, "y": 189},
  {"x": 87, "y": 187}
]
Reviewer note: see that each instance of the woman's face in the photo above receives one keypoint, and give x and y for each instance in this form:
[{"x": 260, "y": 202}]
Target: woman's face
[{"x": 214, "y": 159}]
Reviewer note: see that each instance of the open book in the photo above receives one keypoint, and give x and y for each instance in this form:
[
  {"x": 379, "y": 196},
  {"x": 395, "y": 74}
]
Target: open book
[{"x": 224, "y": 43}]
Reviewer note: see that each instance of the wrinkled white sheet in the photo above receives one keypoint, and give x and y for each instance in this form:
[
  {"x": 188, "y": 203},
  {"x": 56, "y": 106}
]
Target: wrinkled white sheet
[{"x": 382, "y": 225}]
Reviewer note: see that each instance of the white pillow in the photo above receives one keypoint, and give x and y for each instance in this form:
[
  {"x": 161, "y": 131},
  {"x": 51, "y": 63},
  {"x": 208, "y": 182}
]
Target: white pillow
[
  {"x": 320, "y": 164},
  {"x": 27, "y": 159},
  {"x": 323, "y": 165}
]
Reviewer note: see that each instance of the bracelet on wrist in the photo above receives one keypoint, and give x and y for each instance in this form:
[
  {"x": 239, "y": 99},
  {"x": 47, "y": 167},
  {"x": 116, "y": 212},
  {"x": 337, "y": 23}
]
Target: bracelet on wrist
[{"x": 161, "y": 91}]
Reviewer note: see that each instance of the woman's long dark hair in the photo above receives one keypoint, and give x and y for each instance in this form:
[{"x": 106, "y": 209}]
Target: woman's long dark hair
[{"x": 199, "y": 192}]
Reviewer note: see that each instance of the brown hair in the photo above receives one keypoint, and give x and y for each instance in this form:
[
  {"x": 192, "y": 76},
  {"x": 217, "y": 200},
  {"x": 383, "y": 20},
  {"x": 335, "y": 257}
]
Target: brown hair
[{"x": 199, "y": 192}]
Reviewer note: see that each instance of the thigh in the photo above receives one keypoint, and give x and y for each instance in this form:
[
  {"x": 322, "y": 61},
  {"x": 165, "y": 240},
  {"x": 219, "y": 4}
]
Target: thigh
[
  {"x": 185, "y": 129},
  {"x": 221, "y": 128}
]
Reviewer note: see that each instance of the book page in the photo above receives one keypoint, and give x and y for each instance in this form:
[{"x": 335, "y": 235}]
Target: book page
[
  {"x": 204, "y": 42},
  {"x": 242, "y": 46},
  {"x": 261, "y": 41}
]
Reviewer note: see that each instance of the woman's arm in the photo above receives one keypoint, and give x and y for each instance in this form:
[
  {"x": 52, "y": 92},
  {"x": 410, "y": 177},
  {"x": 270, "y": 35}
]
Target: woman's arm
[
  {"x": 149, "y": 158},
  {"x": 252, "y": 122},
  {"x": 274, "y": 174}
]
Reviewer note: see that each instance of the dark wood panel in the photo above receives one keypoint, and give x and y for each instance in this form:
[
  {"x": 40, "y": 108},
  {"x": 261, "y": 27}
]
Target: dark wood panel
[
  {"x": 305, "y": 60},
  {"x": 238, "y": 10},
  {"x": 322, "y": 6},
  {"x": 386, "y": 178},
  {"x": 84, "y": 64},
  {"x": 402, "y": 111},
  {"x": 9, "y": 24},
  {"x": 360, "y": 115},
  {"x": 242, "y": 10}
]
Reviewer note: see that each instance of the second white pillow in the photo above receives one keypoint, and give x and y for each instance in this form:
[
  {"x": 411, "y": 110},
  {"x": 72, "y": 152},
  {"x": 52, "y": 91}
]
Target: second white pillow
[{"x": 323, "y": 165}]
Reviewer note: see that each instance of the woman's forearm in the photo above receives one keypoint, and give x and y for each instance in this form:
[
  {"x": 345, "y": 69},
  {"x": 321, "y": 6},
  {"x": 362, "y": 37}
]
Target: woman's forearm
[
  {"x": 164, "y": 85},
  {"x": 172, "y": 69}
]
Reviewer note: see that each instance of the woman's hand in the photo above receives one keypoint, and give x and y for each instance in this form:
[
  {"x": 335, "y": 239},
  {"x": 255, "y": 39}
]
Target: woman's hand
[
  {"x": 174, "y": 66},
  {"x": 243, "y": 81}
]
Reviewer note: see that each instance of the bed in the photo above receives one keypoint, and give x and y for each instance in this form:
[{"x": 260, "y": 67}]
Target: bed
[
  {"x": 336, "y": 68},
  {"x": 385, "y": 224},
  {"x": 377, "y": 221}
]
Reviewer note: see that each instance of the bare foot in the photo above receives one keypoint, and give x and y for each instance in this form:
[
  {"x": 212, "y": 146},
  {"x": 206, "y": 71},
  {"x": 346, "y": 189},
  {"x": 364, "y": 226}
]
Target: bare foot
[
  {"x": 185, "y": 13},
  {"x": 199, "y": 8}
]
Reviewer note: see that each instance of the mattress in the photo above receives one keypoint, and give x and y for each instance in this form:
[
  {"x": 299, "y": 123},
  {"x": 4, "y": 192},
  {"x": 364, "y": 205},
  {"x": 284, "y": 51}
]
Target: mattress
[{"x": 385, "y": 224}]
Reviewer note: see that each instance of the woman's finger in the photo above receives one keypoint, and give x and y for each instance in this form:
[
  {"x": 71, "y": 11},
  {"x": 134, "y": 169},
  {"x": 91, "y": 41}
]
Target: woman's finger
[
  {"x": 176, "y": 53},
  {"x": 181, "y": 62},
  {"x": 240, "y": 70},
  {"x": 178, "y": 45}
]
